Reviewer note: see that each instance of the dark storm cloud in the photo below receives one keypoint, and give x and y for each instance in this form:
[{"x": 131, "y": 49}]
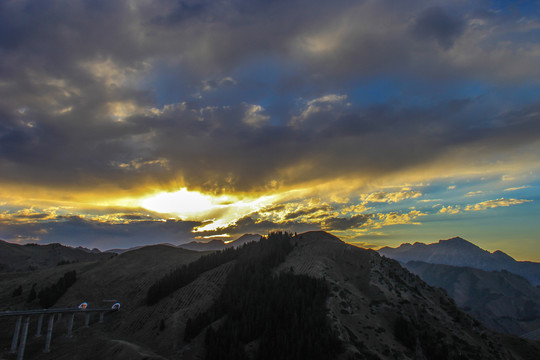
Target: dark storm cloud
[
  {"x": 250, "y": 224},
  {"x": 82, "y": 89},
  {"x": 58, "y": 33},
  {"x": 184, "y": 11},
  {"x": 338, "y": 223},
  {"x": 435, "y": 23},
  {"x": 133, "y": 217},
  {"x": 316, "y": 211},
  {"x": 32, "y": 216}
]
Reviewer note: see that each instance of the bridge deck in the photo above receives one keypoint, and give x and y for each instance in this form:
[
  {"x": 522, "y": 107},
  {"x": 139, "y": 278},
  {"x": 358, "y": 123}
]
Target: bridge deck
[{"x": 53, "y": 311}]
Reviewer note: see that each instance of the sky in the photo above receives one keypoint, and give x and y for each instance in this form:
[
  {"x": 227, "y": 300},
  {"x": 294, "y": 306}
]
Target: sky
[{"x": 127, "y": 122}]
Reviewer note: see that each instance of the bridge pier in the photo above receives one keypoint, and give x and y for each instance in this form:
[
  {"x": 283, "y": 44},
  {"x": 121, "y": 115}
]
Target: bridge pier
[
  {"x": 70, "y": 324},
  {"x": 49, "y": 334},
  {"x": 22, "y": 345},
  {"x": 39, "y": 325},
  {"x": 16, "y": 336},
  {"x": 20, "y": 334}
]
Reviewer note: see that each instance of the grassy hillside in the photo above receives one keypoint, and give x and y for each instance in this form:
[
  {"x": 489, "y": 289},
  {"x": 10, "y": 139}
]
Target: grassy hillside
[
  {"x": 124, "y": 278},
  {"x": 15, "y": 257}
]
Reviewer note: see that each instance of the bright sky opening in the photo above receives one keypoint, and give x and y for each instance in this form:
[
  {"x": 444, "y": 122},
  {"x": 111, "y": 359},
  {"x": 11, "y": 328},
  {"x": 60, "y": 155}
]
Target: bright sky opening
[{"x": 381, "y": 121}]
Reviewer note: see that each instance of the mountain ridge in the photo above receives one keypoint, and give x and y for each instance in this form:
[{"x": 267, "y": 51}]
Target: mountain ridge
[
  {"x": 457, "y": 251},
  {"x": 503, "y": 301},
  {"x": 28, "y": 257},
  {"x": 220, "y": 244},
  {"x": 377, "y": 309}
]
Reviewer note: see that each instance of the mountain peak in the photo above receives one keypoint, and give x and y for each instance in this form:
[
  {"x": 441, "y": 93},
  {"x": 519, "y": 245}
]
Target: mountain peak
[
  {"x": 244, "y": 239},
  {"x": 455, "y": 240},
  {"x": 319, "y": 236},
  {"x": 458, "y": 242},
  {"x": 500, "y": 255},
  {"x": 460, "y": 252}
]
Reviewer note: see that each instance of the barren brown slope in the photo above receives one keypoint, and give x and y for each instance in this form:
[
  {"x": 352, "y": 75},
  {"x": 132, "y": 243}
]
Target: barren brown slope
[
  {"x": 143, "y": 332},
  {"x": 125, "y": 278},
  {"x": 374, "y": 299},
  {"x": 40, "y": 278}
]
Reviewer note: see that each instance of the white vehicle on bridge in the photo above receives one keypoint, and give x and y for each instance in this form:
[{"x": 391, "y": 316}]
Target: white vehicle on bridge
[{"x": 83, "y": 306}]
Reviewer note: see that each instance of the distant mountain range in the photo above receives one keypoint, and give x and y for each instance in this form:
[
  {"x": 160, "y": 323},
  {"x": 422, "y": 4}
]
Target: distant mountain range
[
  {"x": 219, "y": 244},
  {"x": 501, "y": 300},
  {"x": 15, "y": 257},
  {"x": 376, "y": 309},
  {"x": 460, "y": 252},
  {"x": 212, "y": 245}
]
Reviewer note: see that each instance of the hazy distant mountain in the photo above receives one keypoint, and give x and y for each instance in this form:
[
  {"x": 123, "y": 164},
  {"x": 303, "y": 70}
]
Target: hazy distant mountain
[
  {"x": 376, "y": 308},
  {"x": 212, "y": 245},
  {"x": 121, "y": 251},
  {"x": 501, "y": 300},
  {"x": 219, "y": 244},
  {"x": 244, "y": 239},
  {"x": 15, "y": 257},
  {"x": 460, "y": 252},
  {"x": 94, "y": 250}
]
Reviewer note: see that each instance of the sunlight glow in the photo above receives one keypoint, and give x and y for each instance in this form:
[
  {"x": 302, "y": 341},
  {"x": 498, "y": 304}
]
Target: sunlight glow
[
  {"x": 193, "y": 205},
  {"x": 183, "y": 203}
]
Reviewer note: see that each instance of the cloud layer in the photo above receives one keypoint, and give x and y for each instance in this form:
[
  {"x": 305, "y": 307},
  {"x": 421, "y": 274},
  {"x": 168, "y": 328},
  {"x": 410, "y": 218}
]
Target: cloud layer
[
  {"x": 119, "y": 99},
  {"x": 220, "y": 95}
]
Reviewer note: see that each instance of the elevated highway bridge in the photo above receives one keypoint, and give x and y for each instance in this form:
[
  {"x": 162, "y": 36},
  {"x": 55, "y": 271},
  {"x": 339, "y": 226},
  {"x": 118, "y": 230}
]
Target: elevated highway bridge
[{"x": 20, "y": 333}]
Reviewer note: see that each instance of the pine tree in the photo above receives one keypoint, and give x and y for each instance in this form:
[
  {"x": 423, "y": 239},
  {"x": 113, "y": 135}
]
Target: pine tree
[
  {"x": 32, "y": 295},
  {"x": 17, "y": 291}
]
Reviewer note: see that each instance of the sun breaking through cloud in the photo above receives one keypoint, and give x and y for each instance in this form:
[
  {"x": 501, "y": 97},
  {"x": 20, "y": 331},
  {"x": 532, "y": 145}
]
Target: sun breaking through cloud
[{"x": 380, "y": 119}]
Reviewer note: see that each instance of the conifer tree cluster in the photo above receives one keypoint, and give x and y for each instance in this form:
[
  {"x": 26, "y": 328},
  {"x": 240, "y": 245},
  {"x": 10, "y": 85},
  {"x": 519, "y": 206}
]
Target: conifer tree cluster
[
  {"x": 32, "y": 295},
  {"x": 185, "y": 274},
  {"x": 284, "y": 314},
  {"x": 17, "y": 291},
  {"x": 434, "y": 344},
  {"x": 66, "y": 262},
  {"x": 50, "y": 295}
]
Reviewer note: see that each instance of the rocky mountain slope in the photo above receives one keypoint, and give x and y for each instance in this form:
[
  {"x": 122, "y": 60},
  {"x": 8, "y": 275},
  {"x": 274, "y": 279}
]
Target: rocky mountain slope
[
  {"x": 460, "y": 252},
  {"x": 373, "y": 299},
  {"x": 377, "y": 309},
  {"x": 503, "y": 301},
  {"x": 15, "y": 257}
]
